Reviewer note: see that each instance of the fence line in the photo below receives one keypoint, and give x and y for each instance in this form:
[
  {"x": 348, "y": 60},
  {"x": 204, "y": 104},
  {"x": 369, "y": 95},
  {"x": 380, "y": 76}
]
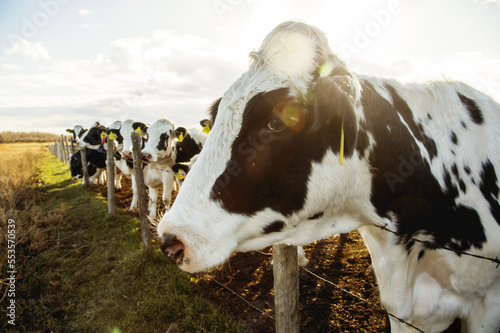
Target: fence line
[
  {"x": 62, "y": 151},
  {"x": 433, "y": 246},
  {"x": 374, "y": 306}
]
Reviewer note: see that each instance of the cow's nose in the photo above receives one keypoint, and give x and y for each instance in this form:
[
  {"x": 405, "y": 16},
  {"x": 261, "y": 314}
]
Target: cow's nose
[
  {"x": 127, "y": 154},
  {"x": 172, "y": 248},
  {"x": 147, "y": 157}
]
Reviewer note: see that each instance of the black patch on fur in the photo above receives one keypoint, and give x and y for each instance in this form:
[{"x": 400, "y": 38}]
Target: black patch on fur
[
  {"x": 316, "y": 216},
  {"x": 462, "y": 185},
  {"x": 271, "y": 169},
  {"x": 421, "y": 254},
  {"x": 94, "y": 135},
  {"x": 162, "y": 143},
  {"x": 187, "y": 149},
  {"x": 363, "y": 142},
  {"x": 454, "y": 169},
  {"x": 179, "y": 166},
  {"x": 403, "y": 184},
  {"x": 130, "y": 163},
  {"x": 274, "y": 227},
  {"x": 454, "y": 138},
  {"x": 404, "y": 110},
  {"x": 474, "y": 112},
  {"x": 95, "y": 159},
  {"x": 489, "y": 189}
]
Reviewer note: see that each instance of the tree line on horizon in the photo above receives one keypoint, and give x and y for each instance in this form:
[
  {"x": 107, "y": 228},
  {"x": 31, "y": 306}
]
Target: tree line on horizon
[{"x": 12, "y": 137}]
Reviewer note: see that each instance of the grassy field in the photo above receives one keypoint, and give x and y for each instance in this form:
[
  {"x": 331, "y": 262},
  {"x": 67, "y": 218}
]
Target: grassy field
[{"x": 79, "y": 270}]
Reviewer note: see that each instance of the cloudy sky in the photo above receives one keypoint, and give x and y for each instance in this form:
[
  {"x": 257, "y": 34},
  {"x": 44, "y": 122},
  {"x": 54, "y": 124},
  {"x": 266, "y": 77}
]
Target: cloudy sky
[{"x": 68, "y": 62}]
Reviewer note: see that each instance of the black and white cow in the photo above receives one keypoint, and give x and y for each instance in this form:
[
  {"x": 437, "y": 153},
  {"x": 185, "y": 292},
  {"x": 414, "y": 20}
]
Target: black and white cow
[
  {"x": 96, "y": 164},
  {"x": 121, "y": 133},
  {"x": 77, "y": 132},
  {"x": 303, "y": 148},
  {"x": 193, "y": 140},
  {"x": 182, "y": 169},
  {"x": 95, "y": 139},
  {"x": 158, "y": 155}
]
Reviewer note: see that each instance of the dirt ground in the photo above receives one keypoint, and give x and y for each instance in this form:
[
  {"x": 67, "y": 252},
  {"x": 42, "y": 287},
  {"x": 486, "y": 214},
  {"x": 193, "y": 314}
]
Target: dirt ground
[{"x": 243, "y": 286}]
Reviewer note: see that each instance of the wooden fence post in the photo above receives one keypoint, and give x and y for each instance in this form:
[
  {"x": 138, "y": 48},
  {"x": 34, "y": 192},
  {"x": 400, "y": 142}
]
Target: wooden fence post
[
  {"x": 85, "y": 169},
  {"x": 72, "y": 146},
  {"x": 66, "y": 149},
  {"x": 147, "y": 249},
  {"x": 63, "y": 153},
  {"x": 58, "y": 151},
  {"x": 286, "y": 288},
  {"x": 110, "y": 170}
]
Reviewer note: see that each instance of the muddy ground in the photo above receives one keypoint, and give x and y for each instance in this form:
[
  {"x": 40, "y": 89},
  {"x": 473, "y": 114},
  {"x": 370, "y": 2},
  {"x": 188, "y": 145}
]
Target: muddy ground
[{"x": 243, "y": 286}]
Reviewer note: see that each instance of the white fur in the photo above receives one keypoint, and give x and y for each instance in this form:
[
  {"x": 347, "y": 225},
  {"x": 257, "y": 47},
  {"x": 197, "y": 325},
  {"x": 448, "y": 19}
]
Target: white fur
[{"x": 429, "y": 293}]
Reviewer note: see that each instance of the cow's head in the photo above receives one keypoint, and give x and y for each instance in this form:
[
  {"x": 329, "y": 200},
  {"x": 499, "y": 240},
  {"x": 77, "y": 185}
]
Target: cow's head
[
  {"x": 160, "y": 146},
  {"x": 126, "y": 131},
  {"x": 190, "y": 142},
  {"x": 76, "y": 132},
  {"x": 270, "y": 167},
  {"x": 113, "y": 132},
  {"x": 92, "y": 138}
]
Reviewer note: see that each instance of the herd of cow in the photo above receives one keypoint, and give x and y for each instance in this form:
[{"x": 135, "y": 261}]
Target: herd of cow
[
  {"x": 167, "y": 153},
  {"x": 302, "y": 148}
]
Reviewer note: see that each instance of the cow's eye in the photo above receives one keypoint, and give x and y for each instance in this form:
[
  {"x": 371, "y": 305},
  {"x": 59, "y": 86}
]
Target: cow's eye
[{"x": 275, "y": 124}]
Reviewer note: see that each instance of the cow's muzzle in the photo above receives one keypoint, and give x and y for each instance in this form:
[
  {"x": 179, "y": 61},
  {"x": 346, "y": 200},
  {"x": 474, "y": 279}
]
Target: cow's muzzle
[{"x": 172, "y": 248}]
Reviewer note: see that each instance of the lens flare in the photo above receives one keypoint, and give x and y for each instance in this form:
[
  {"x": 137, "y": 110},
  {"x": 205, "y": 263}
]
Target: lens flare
[{"x": 291, "y": 114}]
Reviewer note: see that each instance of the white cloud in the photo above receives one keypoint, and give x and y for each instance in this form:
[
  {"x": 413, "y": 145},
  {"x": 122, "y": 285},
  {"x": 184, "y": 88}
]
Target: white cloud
[
  {"x": 10, "y": 66},
  {"x": 29, "y": 49},
  {"x": 84, "y": 12},
  {"x": 91, "y": 26},
  {"x": 164, "y": 74}
]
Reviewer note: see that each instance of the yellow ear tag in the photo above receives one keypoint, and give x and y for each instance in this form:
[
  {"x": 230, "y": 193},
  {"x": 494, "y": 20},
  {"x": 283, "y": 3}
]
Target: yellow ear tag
[
  {"x": 181, "y": 137},
  {"x": 111, "y": 136},
  {"x": 103, "y": 135},
  {"x": 180, "y": 175},
  {"x": 341, "y": 157},
  {"x": 206, "y": 129},
  {"x": 138, "y": 130}
]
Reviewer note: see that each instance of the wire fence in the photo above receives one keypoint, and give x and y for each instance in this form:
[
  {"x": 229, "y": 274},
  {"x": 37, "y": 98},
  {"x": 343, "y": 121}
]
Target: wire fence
[{"x": 62, "y": 149}]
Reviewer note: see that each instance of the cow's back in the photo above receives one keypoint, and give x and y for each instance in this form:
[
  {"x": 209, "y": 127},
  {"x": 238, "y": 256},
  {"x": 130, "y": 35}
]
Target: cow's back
[{"x": 434, "y": 154}]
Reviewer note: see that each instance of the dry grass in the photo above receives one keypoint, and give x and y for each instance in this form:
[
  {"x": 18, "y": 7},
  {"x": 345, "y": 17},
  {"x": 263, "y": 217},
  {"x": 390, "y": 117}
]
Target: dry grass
[
  {"x": 10, "y": 137},
  {"x": 18, "y": 194},
  {"x": 80, "y": 270}
]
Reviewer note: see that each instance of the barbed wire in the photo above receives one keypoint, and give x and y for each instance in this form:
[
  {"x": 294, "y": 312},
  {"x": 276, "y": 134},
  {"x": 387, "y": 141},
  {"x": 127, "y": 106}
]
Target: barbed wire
[
  {"x": 428, "y": 244},
  {"x": 242, "y": 298},
  {"x": 372, "y": 305},
  {"x": 434, "y": 246}
]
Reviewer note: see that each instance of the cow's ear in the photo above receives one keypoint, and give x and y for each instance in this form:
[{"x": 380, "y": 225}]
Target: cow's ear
[
  {"x": 212, "y": 111},
  {"x": 332, "y": 104},
  {"x": 140, "y": 128},
  {"x": 178, "y": 131},
  {"x": 70, "y": 131},
  {"x": 180, "y": 166},
  {"x": 207, "y": 125},
  {"x": 102, "y": 132}
]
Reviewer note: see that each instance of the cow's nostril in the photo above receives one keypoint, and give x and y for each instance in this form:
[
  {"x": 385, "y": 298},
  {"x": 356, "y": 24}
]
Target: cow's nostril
[
  {"x": 172, "y": 248},
  {"x": 146, "y": 157}
]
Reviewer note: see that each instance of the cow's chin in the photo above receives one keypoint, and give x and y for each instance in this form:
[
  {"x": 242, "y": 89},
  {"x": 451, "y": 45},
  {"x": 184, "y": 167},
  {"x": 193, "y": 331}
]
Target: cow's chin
[{"x": 195, "y": 261}]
